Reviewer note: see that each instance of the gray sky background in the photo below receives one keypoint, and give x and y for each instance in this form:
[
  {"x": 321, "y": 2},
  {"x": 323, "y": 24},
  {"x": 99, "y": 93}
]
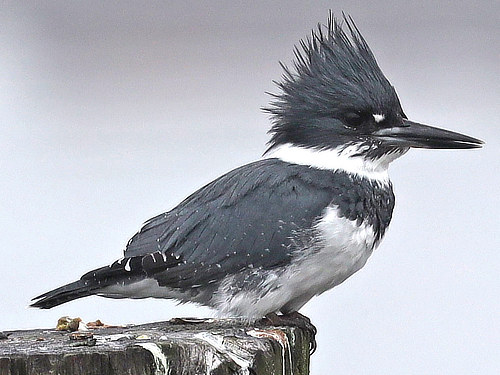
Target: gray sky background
[{"x": 110, "y": 114}]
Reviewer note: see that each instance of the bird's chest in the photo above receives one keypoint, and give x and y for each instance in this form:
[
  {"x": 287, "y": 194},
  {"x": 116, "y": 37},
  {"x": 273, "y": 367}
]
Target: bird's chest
[
  {"x": 340, "y": 248},
  {"x": 345, "y": 234},
  {"x": 342, "y": 243}
]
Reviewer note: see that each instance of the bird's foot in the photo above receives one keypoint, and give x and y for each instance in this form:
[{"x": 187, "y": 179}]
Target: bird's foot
[{"x": 295, "y": 319}]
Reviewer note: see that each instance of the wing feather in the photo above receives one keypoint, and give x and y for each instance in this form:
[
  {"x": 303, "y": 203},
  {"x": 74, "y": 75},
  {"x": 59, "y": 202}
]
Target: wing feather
[{"x": 246, "y": 218}]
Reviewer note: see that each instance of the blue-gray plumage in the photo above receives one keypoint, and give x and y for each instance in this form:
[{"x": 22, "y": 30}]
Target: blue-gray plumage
[
  {"x": 237, "y": 223},
  {"x": 270, "y": 235}
]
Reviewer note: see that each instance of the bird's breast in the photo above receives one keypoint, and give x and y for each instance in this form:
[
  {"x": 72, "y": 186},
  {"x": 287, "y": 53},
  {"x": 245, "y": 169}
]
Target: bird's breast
[{"x": 340, "y": 248}]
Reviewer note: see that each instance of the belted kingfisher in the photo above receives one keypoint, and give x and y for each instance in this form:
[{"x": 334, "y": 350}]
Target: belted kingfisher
[{"x": 268, "y": 236}]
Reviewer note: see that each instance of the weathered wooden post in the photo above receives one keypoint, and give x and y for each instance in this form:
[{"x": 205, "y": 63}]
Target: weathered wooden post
[{"x": 180, "y": 346}]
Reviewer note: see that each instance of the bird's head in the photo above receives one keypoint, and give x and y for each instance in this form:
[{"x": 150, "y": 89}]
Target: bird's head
[{"x": 337, "y": 98}]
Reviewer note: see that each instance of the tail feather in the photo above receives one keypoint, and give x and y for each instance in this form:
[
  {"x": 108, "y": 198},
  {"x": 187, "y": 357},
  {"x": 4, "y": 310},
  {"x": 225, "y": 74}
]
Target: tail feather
[
  {"x": 66, "y": 293},
  {"x": 122, "y": 271}
]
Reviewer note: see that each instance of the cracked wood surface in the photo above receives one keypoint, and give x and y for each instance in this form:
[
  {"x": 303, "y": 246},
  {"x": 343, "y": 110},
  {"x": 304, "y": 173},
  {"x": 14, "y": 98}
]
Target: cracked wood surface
[{"x": 179, "y": 346}]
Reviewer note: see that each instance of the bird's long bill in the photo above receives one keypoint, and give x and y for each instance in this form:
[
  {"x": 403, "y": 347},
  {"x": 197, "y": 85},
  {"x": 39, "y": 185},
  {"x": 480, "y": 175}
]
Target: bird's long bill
[{"x": 412, "y": 134}]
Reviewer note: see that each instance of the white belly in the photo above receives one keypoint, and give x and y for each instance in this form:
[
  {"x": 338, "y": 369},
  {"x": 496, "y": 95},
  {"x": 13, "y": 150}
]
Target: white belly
[{"x": 342, "y": 249}]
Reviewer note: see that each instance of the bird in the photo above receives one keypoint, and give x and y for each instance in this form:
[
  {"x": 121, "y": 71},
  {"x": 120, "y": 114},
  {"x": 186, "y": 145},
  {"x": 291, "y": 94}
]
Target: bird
[{"x": 270, "y": 235}]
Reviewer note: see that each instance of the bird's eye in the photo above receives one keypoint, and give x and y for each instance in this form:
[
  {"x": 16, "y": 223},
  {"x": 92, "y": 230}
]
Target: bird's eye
[{"x": 354, "y": 119}]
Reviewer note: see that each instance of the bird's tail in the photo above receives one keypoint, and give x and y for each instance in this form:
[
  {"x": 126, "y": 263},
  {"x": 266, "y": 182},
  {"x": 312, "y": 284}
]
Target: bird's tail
[
  {"x": 66, "y": 293},
  {"x": 123, "y": 271}
]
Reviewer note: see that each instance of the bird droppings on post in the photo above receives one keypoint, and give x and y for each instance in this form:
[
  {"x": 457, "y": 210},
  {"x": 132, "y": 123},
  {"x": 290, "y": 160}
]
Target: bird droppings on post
[
  {"x": 240, "y": 356},
  {"x": 281, "y": 338},
  {"x": 161, "y": 364},
  {"x": 185, "y": 345},
  {"x": 102, "y": 339}
]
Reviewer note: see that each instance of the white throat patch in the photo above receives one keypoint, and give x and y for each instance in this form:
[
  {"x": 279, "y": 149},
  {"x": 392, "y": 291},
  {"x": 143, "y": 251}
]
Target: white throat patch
[{"x": 342, "y": 158}]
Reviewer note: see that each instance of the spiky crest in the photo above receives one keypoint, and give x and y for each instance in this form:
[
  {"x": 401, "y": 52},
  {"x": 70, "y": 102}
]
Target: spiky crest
[{"x": 334, "y": 73}]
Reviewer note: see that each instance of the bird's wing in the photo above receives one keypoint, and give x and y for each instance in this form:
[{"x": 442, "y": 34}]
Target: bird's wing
[{"x": 247, "y": 217}]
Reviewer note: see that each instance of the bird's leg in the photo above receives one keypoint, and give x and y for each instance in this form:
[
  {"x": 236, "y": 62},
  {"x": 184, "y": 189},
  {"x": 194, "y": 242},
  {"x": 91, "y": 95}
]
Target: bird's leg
[{"x": 295, "y": 319}]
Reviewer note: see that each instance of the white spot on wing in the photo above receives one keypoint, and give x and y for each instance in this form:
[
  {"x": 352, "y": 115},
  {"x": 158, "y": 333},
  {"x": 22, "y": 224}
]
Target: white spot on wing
[
  {"x": 378, "y": 117},
  {"x": 127, "y": 266}
]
